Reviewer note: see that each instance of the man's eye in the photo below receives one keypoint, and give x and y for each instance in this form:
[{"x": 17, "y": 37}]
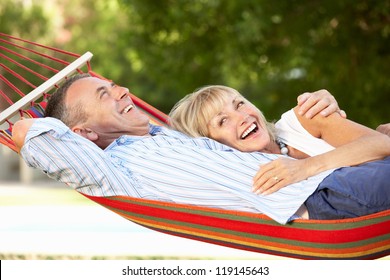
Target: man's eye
[{"x": 239, "y": 104}]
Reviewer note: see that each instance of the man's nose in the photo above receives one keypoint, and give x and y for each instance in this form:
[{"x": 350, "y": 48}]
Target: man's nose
[{"x": 120, "y": 93}]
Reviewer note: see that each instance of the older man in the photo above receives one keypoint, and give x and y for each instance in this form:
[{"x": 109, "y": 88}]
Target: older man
[{"x": 148, "y": 161}]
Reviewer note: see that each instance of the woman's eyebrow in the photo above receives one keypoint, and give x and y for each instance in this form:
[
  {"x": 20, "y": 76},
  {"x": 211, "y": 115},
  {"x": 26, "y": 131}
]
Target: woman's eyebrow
[{"x": 235, "y": 101}]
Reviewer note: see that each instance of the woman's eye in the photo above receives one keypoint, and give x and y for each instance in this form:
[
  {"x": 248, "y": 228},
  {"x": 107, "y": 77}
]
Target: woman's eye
[
  {"x": 239, "y": 104},
  {"x": 222, "y": 121}
]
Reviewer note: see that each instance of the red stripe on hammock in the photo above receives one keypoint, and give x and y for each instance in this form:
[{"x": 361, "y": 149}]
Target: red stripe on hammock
[
  {"x": 276, "y": 230},
  {"x": 308, "y": 253}
]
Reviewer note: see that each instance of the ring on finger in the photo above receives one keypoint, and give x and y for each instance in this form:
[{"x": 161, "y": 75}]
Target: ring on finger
[{"x": 276, "y": 178}]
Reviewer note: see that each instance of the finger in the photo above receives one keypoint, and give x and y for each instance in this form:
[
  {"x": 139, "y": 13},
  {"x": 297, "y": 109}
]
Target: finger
[
  {"x": 333, "y": 108},
  {"x": 317, "y": 108},
  {"x": 262, "y": 179},
  {"x": 273, "y": 184},
  {"x": 260, "y": 184},
  {"x": 309, "y": 102},
  {"x": 264, "y": 168},
  {"x": 329, "y": 109},
  {"x": 274, "y": 188},
  {"x": 384, "y": 128},
  {"x": 343, "y": 114},
  {"x": 263, "y": 182},
  {"x": 269, "y": 180},
  {"x": 303, "y": 98}
]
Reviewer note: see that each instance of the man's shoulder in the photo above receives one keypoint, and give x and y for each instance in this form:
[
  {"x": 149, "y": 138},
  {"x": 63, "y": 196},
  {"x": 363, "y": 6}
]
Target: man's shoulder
[
  {"x": 165, "y": 131},
  {"x": 42, "y": 125}
]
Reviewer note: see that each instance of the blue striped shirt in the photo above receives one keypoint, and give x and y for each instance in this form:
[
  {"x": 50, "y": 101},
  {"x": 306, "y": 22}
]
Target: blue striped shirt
[{"x": 167, "y": 166}]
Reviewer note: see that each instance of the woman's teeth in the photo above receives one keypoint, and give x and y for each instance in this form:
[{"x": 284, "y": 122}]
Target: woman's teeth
[{"x": 249, "y": 130}]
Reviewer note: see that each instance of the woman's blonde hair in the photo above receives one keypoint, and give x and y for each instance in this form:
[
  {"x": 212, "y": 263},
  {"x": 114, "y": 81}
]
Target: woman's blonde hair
[{"x": 192, "y": 114}]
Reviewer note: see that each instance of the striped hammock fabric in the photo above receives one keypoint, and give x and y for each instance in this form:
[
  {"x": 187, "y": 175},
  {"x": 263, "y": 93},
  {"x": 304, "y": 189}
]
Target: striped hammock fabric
[{"x": 365, "y": 237}]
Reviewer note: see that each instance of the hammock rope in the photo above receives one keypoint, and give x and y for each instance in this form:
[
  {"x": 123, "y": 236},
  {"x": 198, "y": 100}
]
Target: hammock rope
[
  {"x": 365, "y": 237},
  {"x": 20, "y": 74}
]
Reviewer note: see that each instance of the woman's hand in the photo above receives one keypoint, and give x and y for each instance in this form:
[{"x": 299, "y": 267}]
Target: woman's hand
[
  {"x": 318, "y": 102},
  {"x": 279, "y": 173}
]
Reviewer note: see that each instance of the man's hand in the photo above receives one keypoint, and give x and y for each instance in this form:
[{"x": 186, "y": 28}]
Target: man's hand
[
  {"x": 19, "y": 132},
  {"x": 318, "y": 102},
  {"x": 384, "y": 128}
]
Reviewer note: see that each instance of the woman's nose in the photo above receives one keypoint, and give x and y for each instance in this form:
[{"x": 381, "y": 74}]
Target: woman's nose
[{"x": 244, "y": 118}]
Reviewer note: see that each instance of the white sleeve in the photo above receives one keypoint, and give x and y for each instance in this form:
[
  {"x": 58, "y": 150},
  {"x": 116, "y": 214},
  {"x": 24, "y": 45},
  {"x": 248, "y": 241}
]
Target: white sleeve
[
  {"x": 64, "y": 156},
  {"x": 292, "y": 133}
]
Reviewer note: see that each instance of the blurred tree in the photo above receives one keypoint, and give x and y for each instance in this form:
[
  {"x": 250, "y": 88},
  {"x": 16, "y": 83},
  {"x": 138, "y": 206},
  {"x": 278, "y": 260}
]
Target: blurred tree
[
  {"x": 270, "y": 50},
  {"x": 23, "y": 18},
  {"x": 98, "y": 26}
]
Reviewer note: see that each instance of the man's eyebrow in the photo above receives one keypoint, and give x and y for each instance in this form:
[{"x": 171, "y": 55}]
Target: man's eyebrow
[{"x": 102, "y": 88}]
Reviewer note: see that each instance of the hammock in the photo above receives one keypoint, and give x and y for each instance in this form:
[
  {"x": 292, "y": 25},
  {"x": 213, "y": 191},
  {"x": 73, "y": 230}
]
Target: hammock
[{"x": 25, "y": 64}]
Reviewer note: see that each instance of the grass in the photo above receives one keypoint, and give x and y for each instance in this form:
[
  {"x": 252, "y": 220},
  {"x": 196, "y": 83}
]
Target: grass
[
  {"x": 40, "y": 194},
  {"x": 47, "y": 194},
  {"x": 80, "y": 257},
  {"x": 53, "y": 194}
]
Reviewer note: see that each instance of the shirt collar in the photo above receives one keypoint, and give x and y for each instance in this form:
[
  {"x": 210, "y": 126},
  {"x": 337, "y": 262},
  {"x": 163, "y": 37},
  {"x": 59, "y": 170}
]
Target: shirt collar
[{"x": 127, "y": 139}]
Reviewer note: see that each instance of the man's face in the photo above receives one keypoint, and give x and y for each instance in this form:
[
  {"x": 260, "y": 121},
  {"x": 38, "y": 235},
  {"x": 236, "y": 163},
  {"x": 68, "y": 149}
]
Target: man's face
[{"x": 110, "y": 110}]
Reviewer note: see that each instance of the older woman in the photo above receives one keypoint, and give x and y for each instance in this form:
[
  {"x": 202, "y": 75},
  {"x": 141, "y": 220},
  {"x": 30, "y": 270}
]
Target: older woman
[{"x": 320, "y": 143}]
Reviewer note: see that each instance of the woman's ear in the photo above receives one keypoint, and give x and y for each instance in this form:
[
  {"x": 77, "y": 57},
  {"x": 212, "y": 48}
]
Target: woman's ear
[{"x": 86, "y": 133}]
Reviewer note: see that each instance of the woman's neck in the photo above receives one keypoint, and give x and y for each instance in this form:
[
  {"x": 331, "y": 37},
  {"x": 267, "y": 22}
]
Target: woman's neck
[{"x": 272, "y": 148}]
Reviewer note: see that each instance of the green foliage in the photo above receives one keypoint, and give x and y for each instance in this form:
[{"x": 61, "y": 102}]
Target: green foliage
[
  {"x": 271, "y": 51},
  {"x": 23, "y": 20}
]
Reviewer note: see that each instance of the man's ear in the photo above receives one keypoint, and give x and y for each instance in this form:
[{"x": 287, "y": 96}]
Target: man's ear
[{"x": 86, "y": 133}]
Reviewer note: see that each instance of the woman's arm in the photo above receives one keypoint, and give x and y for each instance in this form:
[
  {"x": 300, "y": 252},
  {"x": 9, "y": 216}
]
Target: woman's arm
[{"x": 354, "y": 144}]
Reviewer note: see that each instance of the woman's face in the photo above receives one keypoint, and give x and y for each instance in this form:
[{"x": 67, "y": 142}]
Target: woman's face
[{"x": 239, "y": 125}]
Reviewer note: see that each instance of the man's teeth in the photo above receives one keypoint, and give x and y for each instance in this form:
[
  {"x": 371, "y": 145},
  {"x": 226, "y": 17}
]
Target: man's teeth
[
  {"x": 127, "y": 109},
  {"x": 249, "y": 130}
]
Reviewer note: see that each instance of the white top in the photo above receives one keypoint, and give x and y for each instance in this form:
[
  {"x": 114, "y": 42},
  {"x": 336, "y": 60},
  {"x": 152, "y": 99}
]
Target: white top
[{"x": 292, "y": 133}]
